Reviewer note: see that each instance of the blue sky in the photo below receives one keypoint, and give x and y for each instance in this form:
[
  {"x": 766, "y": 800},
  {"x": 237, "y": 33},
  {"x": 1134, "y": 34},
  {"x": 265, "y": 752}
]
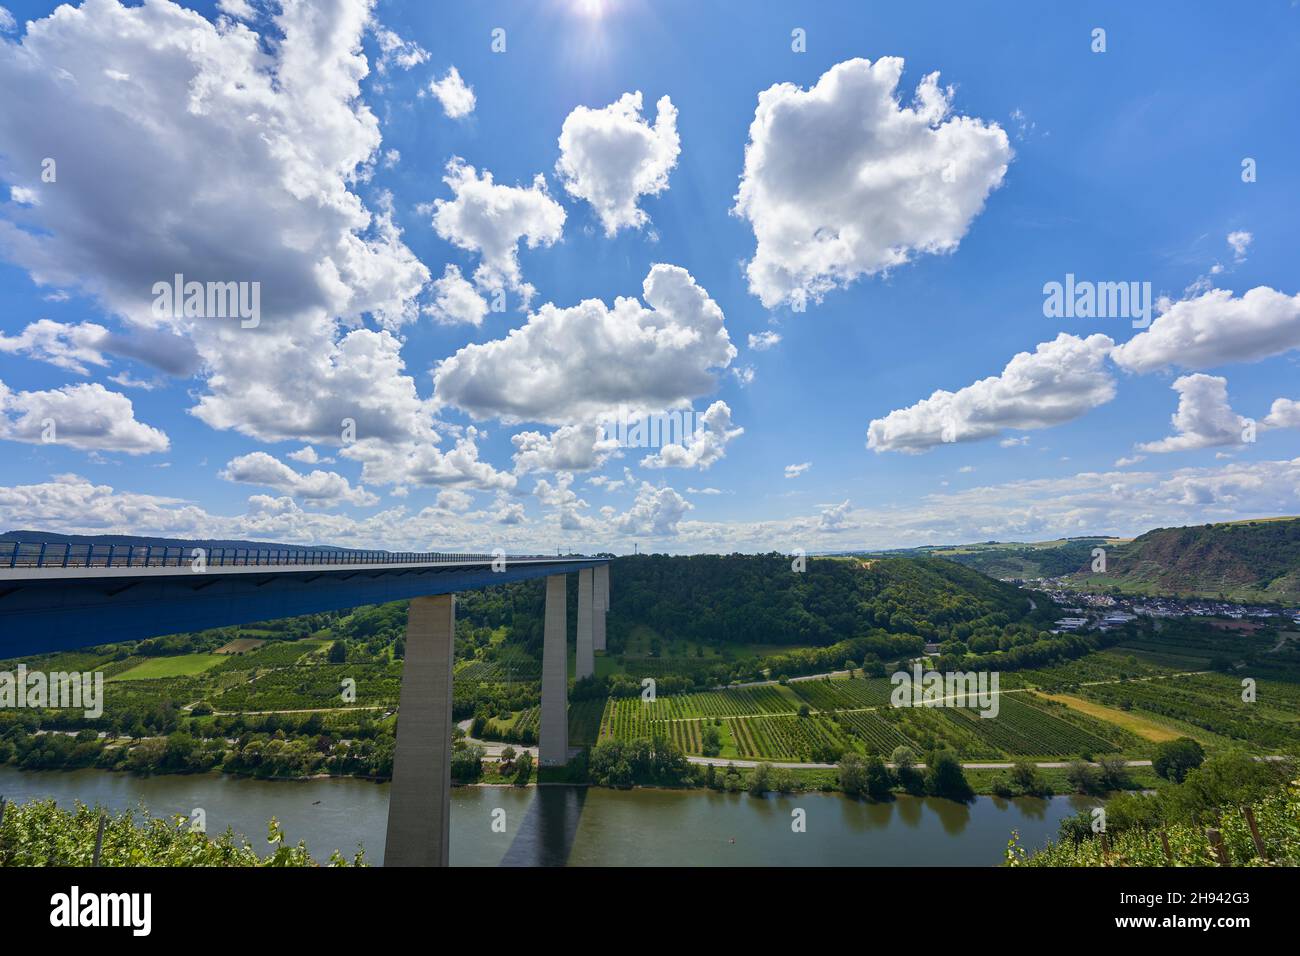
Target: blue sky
[{"x": 1122, "y": 165}]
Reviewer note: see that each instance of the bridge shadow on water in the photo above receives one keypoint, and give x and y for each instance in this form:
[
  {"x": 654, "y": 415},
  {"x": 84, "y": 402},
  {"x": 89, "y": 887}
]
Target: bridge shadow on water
[{"x": 546, "y": 835}]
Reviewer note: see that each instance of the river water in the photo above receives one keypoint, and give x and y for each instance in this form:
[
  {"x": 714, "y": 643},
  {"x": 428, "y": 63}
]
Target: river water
[{"x": 584, "y": 827}]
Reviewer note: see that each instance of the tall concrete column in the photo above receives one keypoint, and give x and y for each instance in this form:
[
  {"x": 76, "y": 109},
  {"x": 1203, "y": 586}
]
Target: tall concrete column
[
  {"x": 586, "y": 661},
  {"x": 419, "y": 798},
  {"x": 553, "y": 742},
  {"x": 601, "y": 588}
]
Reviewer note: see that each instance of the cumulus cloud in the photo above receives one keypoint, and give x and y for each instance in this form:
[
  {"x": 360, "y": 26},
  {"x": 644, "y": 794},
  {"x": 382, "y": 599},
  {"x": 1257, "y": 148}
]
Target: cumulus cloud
[
  {"x": 763, "y": 340},
  {"x": 455, "y": 95},
  {"x": 1204, "y": 418},
  {"x": 74, "y": 347},
  {"x": 1056, "y": 383},
  {"x": 706, "y": 445},
  {"x": 70, "y": 347},
  {"x": 423, "y": 463},
  {"x": 232, "y": 159},
  {"x": 1285, "y": 413},
  {"x": 612, "y": 157},
  {"x": 87, "y": 416},
  {"x": 455, "y": 300},
  {"x": 454, "y": 500},
  {"x": 570, "y": 448},
  {"x": 794, "y": 471},
  {"x": 307, "y": 455},
  {"x": 592, "y": 363},
  {"x": 656, "y": 511},
  {"x": 7, "y": 22},
  {"x": 842, "y": 181},
  {"x": 492, "y": 220},
  {"x": 394, "y": 51},
  {"x": 325, "y": 488},
  {"x": 1215, "y": 329},
  {"x": 239, "y": 9},
  {"x": 568, "y": 507},
  {"x": 1240, "y": 241},
  {"x": 835, "y": 518},
  {"x": 1120, "y": 502}
]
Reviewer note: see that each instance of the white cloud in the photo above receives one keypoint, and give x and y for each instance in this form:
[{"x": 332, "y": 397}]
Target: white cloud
[
  {"x": 508, "y": 512},
  {"x": 88, "y": 417},
  {"x": 1204, "y": 418},
  {"x": 1285, "y": 413},
  {"x": 656, "y": 511},
  {"x": 70, "y": 347},
  {"x": 239, "y": 9},
  {"x": 7, "y": 22},
  {"x": 1015, "y": 442},
  {"x": 570, "y": 448},
  {"x": 794, "y": 471},
  {"x": 706, "y": 446},
  {"x": 394, "y": 51},
  {"x": 763, "y": 340},
  {"x": 454, "y": 500},
  {"x": 307, "y": 455},
  {"x": 455, "y": 95},
  {"x": 565, "y": 502},
  {"x": 325, "y": 488},
  {"x": 1056, "y": 383},
  {"x": 231, "y": 159},
  {"x": 1215, "y": 329},
  {"x": 842, "y": 181},
  {"x": 1240, "y": 242},
  {"x": 589, "y": 363},
  {"x": 835, "y": 518},
  {"x": 491, "y": 220},
  {"x": 422, "y": 463},
  {"x": 744, "y": 374},
  {"x": 612, "y": 157},
  {"x": 1107, "y": 502},
  {"x": 455, "y": 300},
  {"x": 1129, "y": 460}
]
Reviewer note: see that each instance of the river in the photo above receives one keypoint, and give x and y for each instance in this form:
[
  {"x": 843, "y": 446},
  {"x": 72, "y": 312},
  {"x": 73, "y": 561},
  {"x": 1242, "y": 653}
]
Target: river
[{"x": 584, "y": 827}]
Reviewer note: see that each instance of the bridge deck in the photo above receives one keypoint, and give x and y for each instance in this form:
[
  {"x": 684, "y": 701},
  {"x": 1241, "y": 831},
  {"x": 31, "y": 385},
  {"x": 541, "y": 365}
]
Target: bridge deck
[{"x": 50, "y": 607}]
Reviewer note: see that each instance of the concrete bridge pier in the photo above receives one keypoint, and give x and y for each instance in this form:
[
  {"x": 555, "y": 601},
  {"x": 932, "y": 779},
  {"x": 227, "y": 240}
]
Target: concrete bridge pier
[
  {"x": 601, "y": 596},
  {"x": 553, "y": 740},
  {"x": 586, "y": 659},
  {"x": 419, "y": 798}
]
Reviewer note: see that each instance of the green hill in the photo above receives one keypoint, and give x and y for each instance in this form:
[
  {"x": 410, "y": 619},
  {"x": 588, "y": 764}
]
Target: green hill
[{"x": 1243, "y": 561}]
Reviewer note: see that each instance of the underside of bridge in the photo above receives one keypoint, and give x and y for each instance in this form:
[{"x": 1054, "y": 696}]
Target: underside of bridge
[{"x": 50, "y": 609}]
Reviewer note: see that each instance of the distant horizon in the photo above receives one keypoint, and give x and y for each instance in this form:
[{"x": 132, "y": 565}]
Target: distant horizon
[{"x": 228, "y": 542}]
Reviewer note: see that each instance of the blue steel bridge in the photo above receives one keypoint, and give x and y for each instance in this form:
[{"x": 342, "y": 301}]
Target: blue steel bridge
[{"x": 63, "y": 596}]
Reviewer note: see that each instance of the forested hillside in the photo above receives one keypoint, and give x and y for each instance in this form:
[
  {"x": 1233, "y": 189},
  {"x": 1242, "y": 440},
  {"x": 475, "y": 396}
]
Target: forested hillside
[
  {"x": 1026, "y": 561},
  {"x": 717, "y": 599},
  {"x": 1248, "y": 560}
]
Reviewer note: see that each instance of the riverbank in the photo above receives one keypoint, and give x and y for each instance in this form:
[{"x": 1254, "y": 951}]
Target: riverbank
[{"x": 584, "y": 826}]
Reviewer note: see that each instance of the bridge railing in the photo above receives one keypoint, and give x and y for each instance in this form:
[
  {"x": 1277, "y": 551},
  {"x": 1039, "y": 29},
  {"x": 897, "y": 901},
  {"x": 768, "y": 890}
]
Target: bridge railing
[{"x": 26, "y": 554}]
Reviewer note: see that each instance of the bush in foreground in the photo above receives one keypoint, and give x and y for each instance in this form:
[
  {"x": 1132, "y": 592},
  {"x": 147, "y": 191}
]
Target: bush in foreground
[{"x": 41, "y": 834}]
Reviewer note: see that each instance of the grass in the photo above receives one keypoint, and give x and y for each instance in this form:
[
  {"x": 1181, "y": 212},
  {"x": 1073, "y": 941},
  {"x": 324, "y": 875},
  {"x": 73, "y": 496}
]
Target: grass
[
  {"x": 182, "y": 665},
  {"x": 1133, "y": 723}
]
